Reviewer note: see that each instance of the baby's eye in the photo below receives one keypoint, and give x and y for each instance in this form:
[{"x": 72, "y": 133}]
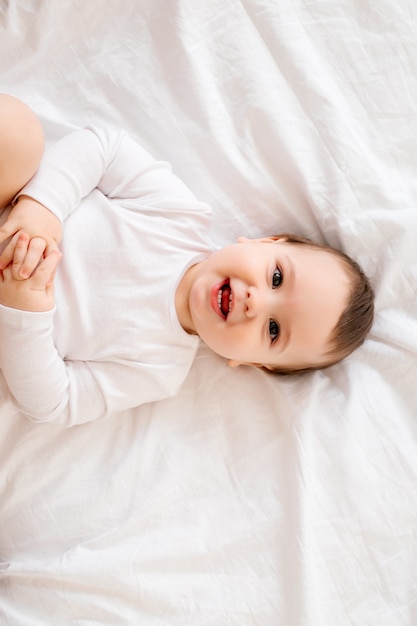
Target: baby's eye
[
  {"x": 273, "y": 330},
  {"x": 277, "y": 278}
]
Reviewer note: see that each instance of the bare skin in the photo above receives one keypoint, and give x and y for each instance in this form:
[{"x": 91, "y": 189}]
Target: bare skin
[
  {"x": 21, "y": 146},
  {"x": 31, "y": 232}
]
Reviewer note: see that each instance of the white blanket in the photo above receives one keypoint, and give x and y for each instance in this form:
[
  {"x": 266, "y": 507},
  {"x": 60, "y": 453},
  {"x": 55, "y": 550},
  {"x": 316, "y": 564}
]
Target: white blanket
[{"x": 248, "y": 499}]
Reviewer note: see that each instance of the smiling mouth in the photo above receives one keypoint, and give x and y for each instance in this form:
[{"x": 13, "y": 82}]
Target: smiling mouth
[{"x": 225, "y": 299}]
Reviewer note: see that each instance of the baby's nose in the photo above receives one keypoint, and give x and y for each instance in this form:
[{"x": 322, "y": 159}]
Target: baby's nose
[{"x": 252, "y": 302}]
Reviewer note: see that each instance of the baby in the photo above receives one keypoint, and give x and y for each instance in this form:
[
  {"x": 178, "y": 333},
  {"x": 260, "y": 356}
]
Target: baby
[{"x": 139, "y": 283}]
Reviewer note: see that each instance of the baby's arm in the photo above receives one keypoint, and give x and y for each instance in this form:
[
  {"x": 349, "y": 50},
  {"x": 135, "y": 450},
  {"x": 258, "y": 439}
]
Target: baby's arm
[
  {"x": 30, "y": 364},
  {"x": 69, "y": 170}
]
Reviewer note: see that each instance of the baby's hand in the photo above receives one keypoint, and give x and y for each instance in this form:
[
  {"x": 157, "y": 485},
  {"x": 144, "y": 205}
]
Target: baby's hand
[
  {"x": 44, "y": 230},
  {"x": 35, "y": 294}
]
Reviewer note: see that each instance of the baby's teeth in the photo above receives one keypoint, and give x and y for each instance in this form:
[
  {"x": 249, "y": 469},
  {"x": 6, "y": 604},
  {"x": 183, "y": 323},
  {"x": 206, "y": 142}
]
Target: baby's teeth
[{"x": 219, "y": 299}]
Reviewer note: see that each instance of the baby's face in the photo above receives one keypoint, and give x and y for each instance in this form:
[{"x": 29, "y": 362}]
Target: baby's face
[{"x": 267, "y": 302}]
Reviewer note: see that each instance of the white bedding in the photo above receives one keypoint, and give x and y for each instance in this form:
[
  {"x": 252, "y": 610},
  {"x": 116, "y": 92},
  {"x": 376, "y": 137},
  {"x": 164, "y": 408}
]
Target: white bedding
[{"x": 248, "y": 499}]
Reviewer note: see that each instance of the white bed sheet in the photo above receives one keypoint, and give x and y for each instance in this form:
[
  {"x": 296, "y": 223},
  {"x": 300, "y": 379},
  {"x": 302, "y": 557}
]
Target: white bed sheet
[{"x": 247, "y": 499}]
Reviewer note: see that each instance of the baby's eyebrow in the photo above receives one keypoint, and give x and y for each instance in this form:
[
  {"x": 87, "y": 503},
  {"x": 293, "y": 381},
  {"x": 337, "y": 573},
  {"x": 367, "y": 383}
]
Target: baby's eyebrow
[{"x": 290, "y": 270}]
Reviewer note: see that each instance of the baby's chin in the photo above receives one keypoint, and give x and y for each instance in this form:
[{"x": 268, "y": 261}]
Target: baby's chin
[{"x": 213, "y": 346}]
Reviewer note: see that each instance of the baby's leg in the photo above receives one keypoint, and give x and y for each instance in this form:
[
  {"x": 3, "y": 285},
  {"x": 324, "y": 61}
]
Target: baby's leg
[{"x": 21, "y": 146}]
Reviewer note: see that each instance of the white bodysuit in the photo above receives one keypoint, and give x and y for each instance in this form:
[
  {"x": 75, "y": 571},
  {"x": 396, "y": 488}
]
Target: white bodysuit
[{"x": 114, "y": 341}]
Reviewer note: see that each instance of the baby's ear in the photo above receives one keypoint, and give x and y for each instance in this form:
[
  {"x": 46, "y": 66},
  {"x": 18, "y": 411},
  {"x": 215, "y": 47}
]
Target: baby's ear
[{"x": 275, "y": 238}]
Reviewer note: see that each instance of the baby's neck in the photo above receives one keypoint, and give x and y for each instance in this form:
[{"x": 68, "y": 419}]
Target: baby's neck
[{"x": 182, "y": 298}]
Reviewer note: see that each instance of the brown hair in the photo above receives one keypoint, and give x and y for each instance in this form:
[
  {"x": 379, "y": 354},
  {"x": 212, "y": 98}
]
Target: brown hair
[{"x": 356, "y": 320}]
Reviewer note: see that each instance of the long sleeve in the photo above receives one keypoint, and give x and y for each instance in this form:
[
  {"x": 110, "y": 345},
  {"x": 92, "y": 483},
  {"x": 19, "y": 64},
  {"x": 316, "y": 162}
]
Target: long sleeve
[
  {"x": 34, "y": 372},
  {"x": 104, "y": 159},
  {"x": 48, "y": 388}
]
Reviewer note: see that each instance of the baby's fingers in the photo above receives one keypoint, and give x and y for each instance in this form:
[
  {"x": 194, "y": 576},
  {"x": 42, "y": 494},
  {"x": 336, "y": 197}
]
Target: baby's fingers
[
  {"x": 8, "y": 253},
  {"x": 28, "y": 263},
  {"x": 19, "y": 254},
  {"x": 43, "y": 276}
]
